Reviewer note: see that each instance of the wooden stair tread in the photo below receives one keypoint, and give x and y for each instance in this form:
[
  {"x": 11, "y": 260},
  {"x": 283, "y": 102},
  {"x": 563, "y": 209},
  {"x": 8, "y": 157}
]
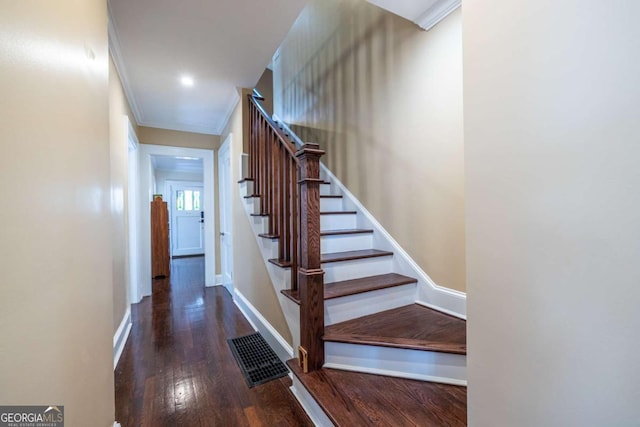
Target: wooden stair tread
[
  {"x": 412, "y": 326},
  {"x": 340, "y": 256},
  {"x": 339, "y": 213},
  {"x": 357, "y": 399},
  {"x": 340, "y": 232},
  {"x": 356, "y": 286}
]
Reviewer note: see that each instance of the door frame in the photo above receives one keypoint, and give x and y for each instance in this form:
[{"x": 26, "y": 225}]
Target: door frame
[
  {"x": 169, "y": 185},
  {"x": 146, "y": 195},
  {"x": 133, "y": 194},
  {"x": 226, "y": 204}
]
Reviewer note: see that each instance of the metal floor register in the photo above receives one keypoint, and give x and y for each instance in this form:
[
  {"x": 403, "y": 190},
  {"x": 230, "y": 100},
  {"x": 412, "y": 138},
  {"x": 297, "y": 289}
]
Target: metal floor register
[{"x": 258, "y": 362}]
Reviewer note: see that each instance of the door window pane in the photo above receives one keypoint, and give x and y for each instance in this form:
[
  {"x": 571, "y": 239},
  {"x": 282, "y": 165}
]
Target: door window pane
[
  {"x": 196, "y": 201},
  {"x": 180, "y": 200},
  {"x": 188, "y": 200}
]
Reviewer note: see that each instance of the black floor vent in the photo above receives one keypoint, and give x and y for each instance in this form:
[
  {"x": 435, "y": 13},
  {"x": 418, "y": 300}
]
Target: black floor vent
[{"x": 258, "y": 362}]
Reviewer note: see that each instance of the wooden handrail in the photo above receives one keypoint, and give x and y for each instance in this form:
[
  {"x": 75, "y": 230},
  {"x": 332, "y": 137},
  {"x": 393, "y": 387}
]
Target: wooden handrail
[{"x": 288, "y": 181}]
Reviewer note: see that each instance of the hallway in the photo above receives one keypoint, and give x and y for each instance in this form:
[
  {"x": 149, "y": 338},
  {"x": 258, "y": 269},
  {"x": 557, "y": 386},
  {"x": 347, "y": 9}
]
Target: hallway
[{"x": 177, "y": 369}]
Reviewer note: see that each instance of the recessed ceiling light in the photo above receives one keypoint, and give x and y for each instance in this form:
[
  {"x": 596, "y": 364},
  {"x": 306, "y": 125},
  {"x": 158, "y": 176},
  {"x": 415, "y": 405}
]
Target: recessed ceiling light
[{"x": 187, "y": 81}]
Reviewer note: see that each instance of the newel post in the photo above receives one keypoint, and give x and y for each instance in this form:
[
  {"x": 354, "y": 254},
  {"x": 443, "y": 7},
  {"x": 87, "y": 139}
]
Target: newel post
[{"x": 310, "y": 274}]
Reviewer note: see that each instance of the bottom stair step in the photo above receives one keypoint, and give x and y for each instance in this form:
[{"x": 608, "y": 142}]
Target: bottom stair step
[
  {"x": 356, "y": 399},
  {"x": 411, "y": 327}
]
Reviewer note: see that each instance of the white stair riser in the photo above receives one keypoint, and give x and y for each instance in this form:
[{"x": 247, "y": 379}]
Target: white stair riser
[
  {"x": 326, "y": 190},
  {"x": 341, "y": 309},
  {"x": 337, "y": 222},
  {"x": 346, "y": 242},
  {"x": 246, "y": 188},
  {"x": 330, "y": 204},
  {"x": 398, "y": 362},
  {"x": 346, "y": 270}
]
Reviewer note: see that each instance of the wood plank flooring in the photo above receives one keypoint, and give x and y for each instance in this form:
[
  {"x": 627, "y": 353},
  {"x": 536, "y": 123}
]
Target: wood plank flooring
[
  {"x": 177, "y": 369},
  {"x": 412, "y": 326}
]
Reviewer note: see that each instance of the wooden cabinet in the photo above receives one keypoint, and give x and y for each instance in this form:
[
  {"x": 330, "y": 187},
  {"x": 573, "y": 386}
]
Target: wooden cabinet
[{"x": 159, "y": 238}]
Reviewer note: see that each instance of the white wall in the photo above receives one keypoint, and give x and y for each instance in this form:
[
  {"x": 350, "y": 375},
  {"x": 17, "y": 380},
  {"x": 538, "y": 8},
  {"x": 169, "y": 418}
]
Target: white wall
[
  {"x": 56, "y": 291},
  {"x": 162, "y": 176},
  {"x": 552, "y": 108}
]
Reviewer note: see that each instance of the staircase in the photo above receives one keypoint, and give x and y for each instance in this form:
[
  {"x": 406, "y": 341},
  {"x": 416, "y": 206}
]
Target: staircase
[{"x": 370, "y": 351}]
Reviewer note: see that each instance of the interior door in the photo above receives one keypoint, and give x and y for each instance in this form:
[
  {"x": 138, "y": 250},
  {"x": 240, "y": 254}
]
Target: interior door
[
  {"x": 226, "y": 240},
  {"x": 187, "y": 220}
]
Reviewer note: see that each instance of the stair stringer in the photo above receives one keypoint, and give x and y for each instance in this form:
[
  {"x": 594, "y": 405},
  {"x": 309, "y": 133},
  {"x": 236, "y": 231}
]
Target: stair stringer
[
  {"x": 429, "y": 293},
  {"x": 279, "y": 277}
]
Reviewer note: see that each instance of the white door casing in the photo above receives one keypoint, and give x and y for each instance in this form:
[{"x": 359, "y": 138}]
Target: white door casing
[
  {"x": 187, "y": 219},
  {"x": 226, "y": 229},
  {"x": 145, "y": 195}
]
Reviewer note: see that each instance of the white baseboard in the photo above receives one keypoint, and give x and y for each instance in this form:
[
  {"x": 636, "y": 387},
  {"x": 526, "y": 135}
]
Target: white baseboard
[
  {"x": 281, "y": 347},
  {"x": 318, "y": 417},
  {"x": 120, "y": 337}
]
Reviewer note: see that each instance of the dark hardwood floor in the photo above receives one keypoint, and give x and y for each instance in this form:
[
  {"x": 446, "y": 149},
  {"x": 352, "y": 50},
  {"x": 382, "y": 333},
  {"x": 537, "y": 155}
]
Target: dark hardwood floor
[{"x": 177, "y": 369}]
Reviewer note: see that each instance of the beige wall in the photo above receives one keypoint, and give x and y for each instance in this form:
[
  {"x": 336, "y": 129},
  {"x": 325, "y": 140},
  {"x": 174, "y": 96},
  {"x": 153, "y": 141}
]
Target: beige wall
[
  {"x": 56, "y": 297},
  {"x": 119, "y": 154},
  {"x": 175, "y": 138},
  {"x": 250, "y": 274},
  {"x": 553, "y": 233},
  {"x": 384, "y": 99}
]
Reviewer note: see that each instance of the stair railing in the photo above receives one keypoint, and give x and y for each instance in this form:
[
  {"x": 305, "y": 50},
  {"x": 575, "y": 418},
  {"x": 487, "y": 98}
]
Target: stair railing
[{"x": 287, "y": 181}]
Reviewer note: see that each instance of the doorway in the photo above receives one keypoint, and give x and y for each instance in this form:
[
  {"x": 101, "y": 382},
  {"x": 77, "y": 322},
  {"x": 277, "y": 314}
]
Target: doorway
[
  {"x": 149, "y": 185},
  {"x": 226, "y": 228}
]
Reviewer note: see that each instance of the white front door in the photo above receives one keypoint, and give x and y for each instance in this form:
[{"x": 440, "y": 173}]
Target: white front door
[
  {"x": 226, "y": 240},
  {"x": 187, "y": 220}
]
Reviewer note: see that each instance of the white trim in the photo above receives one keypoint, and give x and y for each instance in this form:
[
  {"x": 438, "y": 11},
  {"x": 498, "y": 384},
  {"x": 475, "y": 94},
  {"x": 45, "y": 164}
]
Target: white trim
[
  {"x": 120, "y": 337},
  {"x": 437, "y": 13},
  {"x": 218, "y": 280},
  {"x": 146, "y": 192},
  {"x": 115, "y": 50},
  {"x": 424, "y": 13},
  {"x": 315, "y": 413},
  {"x": 225, "y": 201},
  {"x": 282, "y": 348},
  {"x": 234, "y": 102},
  {"x": 440, "y": 309},
  {"x": 388, "y": 373},
  {"x": 430, "y": 294},
  {"x": 193, "y": 128},
  {"x": 133, "y": 213}
]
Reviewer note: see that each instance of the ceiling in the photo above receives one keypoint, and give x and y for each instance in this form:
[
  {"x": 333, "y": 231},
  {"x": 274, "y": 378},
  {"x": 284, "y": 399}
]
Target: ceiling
[
  {"x": 177, "y": 164},
  {"x": 222, "y": 44}
]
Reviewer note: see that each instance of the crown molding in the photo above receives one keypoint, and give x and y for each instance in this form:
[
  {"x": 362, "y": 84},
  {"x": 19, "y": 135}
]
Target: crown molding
[
  {"x": 115, "y": 51},
  {"x": 436, "y": 13},
  {"x": 424, "y": 13}
]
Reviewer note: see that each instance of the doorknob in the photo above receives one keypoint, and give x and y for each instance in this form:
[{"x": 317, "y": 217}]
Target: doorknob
[{"x": 222, "y": 233}]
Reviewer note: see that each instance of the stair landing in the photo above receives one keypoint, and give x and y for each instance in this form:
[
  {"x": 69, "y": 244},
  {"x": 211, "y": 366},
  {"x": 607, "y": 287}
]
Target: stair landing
[
  {"x": 412, "y": 326},
  {"x": 357, "y": 399}
]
